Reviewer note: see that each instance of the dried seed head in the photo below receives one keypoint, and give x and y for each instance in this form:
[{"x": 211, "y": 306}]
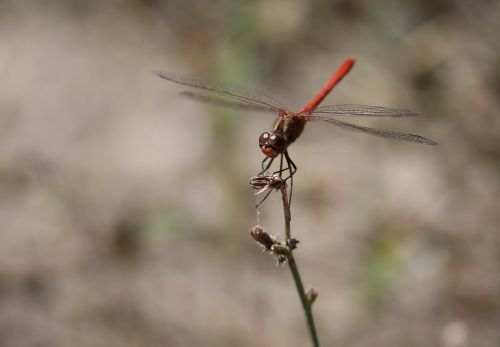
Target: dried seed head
[{"x": 264, "y": 183}]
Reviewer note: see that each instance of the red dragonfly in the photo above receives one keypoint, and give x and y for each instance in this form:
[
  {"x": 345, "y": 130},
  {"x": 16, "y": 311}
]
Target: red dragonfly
[{"x": 289, "y": 125}]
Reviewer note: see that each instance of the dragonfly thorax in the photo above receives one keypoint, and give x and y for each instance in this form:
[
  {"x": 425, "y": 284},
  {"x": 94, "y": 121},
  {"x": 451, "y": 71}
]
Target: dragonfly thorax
[{"x": 273, "y": 144}]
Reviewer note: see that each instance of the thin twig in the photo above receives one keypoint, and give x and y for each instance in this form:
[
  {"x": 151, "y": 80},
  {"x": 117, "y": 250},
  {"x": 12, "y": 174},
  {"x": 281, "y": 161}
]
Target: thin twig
[{"x": 306, "y": 303}]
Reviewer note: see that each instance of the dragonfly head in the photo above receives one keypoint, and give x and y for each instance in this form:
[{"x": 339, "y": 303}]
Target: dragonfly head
[{"x": 272, "y": 144}]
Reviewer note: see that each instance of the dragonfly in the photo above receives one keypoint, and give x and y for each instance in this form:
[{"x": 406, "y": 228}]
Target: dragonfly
[{"x": 289, "y": 125}]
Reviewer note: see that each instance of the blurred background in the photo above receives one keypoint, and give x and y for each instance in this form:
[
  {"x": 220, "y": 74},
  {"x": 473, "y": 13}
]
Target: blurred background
[{"x": 125, "y": 209}]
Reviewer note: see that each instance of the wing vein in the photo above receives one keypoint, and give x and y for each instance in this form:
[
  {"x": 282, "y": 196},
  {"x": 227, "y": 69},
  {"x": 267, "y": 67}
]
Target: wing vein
[
  {"x": 241, "y": 94},
  {"x": 363, "y": 110},
  {"x": 381, "y": 133}
]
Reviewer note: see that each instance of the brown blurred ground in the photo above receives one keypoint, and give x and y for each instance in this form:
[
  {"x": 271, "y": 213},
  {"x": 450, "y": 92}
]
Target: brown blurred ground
[{"x": 125, "y": 209}]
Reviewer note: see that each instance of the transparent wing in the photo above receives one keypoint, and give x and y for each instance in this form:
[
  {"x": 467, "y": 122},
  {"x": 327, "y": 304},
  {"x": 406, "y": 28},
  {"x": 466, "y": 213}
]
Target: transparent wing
[
  {"x": 236, "y": 93},
  {"x": 363, "y": 110},
  {"x": 382, "y": 133},
  {"x": 214, "y": 100}
]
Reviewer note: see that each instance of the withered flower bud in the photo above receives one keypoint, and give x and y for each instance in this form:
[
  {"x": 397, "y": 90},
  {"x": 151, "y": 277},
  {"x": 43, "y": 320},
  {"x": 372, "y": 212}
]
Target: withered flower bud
[
  {"x": 292, "y": 243},
  {"x": 280, "y": 249},
  {"x": 311, "y": 295},
  {"x": 281, "y": 259},
  {"x": 263, "y": 238}
]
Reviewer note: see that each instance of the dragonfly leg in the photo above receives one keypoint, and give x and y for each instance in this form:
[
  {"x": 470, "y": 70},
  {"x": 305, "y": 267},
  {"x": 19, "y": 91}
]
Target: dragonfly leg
[
  {"x": 281, "y": 170},
  {"x": 292, "y": 170},
  {"x": 263, "y": 199},
  {"x": 264, "y": 166},
  {"x": 291, "y": 165},
  {"x": 281, "y": 166}
]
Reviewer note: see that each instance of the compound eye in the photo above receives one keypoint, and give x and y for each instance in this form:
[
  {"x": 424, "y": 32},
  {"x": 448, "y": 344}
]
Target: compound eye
[
  {"x": 277, "y": 141},
  {"x": 264, "y": 139}
]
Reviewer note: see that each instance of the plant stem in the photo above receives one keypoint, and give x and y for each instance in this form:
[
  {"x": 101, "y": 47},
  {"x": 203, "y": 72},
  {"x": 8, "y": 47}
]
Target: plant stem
[{"x": 306, "y": 305}]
